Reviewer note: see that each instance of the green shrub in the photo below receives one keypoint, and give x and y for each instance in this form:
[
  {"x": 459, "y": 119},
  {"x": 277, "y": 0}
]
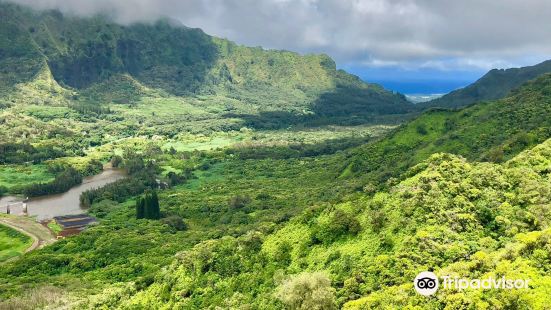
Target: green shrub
[
  {"x": 340, "y": 224},
  {"x": 239, "y": 201},
  {"x": 307, "y": 291},
  {"x": 175, "y": 222}
]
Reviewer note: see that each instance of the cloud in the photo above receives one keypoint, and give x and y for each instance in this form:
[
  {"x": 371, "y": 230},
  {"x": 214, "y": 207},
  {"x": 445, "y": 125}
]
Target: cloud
[{"x": 475, "y": 33}]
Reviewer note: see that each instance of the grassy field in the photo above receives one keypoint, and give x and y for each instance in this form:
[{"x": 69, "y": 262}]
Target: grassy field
[
  {"x": 249, "y": 137},
  {"x": 17, "y": 175},
  {"x": 56, "y": 228},
  {"x": 201, "y": 144},
  {"x": 12, "y": 243}
]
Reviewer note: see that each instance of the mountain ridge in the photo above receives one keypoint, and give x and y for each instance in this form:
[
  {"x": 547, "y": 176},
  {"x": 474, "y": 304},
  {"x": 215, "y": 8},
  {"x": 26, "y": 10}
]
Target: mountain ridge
[
  {"x": 179, "y": 61},
  {"x": 495, "y": 84},
  {"x": 486, "y": 131}
]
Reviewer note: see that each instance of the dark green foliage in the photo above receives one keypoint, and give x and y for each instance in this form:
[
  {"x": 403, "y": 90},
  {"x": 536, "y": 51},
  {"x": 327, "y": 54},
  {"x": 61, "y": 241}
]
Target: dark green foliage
[
  {"x": 116, "y": 161},
  {"x": 354, "y": 106},
  {"x": 94, "y": 167},
  {"x": 141, "y": 177},
  {"x": 378, "y": 220},
  {"x": 421, "y": 129},
  {"x": 339, "y": 224},
  {"x": 90, "y": 109},
  {"x": 134, "y": 165},
  {"x": 175, "y": 222},
  {"x": 187, "y": 54},
  {"x": 62, "y": 183},
  {"x": 119, "y": 190},
  {"x": 175, "y": 178},
  {"x": 148, "y": 206},
  {"x": 15, "y": 153},
  {"x": 239, "y": 201},
  {"x": 140, "y": 208},
  {"x": 155, "y": 208},
  {"x": 103, "y": 208},
  {"x": 282, "y": 256}
]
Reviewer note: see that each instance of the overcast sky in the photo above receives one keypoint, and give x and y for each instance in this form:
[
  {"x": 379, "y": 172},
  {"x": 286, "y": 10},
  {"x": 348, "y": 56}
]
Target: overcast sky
[{"x": 377, "y": 39}]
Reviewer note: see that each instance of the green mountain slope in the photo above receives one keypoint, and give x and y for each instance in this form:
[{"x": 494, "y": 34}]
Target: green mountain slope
[
  {"x": 93, "y": 59},
  {"x": 493, "y": 85},
  {"x": 456, "y": 217},
  {"x": 488, "y": 131}
]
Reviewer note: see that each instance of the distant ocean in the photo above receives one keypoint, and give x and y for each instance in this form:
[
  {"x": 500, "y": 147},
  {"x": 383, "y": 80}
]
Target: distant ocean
[
  {"x": 422, "y": 87},
  {"x": 422, "y": 81},
  {"x": 418, "y": 98}
]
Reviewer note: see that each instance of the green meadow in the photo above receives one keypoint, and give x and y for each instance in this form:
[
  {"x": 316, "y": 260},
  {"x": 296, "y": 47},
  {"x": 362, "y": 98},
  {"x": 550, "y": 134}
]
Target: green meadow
[{"x": 12, "y": 243}]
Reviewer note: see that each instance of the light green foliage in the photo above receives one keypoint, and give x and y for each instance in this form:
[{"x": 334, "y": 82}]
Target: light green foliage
[
  {"x": 307, "y": 291},
  {"x": 457, "y": 217},
  {"x": 55, "y": 227},
  {"x": 14, "y": 176}
]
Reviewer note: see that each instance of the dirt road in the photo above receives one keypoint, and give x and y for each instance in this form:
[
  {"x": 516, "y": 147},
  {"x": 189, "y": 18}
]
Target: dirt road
[{"x": 41, "y": 235}]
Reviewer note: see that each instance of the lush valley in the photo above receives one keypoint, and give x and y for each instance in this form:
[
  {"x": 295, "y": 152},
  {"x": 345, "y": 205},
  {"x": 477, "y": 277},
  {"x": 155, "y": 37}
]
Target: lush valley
[{"x": 282, "y": 182}]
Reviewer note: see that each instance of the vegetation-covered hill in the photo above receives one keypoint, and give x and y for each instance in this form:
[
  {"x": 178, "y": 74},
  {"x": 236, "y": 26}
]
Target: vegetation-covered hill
[
  {"x": 495, "y": 84},
  {"x": 468, "y": 219},
  {"x": 71, "y": 61},
  {"x": 487, "y": 131}
]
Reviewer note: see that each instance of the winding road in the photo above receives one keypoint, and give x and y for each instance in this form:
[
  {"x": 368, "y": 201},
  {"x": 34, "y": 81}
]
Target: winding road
[{"x": 41, "y": 235}]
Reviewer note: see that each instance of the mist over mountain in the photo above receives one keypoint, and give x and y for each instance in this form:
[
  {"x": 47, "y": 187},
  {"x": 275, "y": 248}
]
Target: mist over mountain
[
  {"x": 87, "y": 55},
  {"x": 364, "y": 34},
  {"x": 145, "y": 164}
]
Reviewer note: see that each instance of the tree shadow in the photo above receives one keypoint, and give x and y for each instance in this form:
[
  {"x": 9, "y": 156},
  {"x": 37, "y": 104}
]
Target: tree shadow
[{"x": 345, "y": 106}]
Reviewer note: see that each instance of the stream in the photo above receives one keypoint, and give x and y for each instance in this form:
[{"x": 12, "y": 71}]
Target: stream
[{"x": 68, "y": 203}]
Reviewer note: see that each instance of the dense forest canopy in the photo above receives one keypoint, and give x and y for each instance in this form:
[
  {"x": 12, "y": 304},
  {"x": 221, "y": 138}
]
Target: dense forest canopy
[{"x": 262, "y": 179}]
